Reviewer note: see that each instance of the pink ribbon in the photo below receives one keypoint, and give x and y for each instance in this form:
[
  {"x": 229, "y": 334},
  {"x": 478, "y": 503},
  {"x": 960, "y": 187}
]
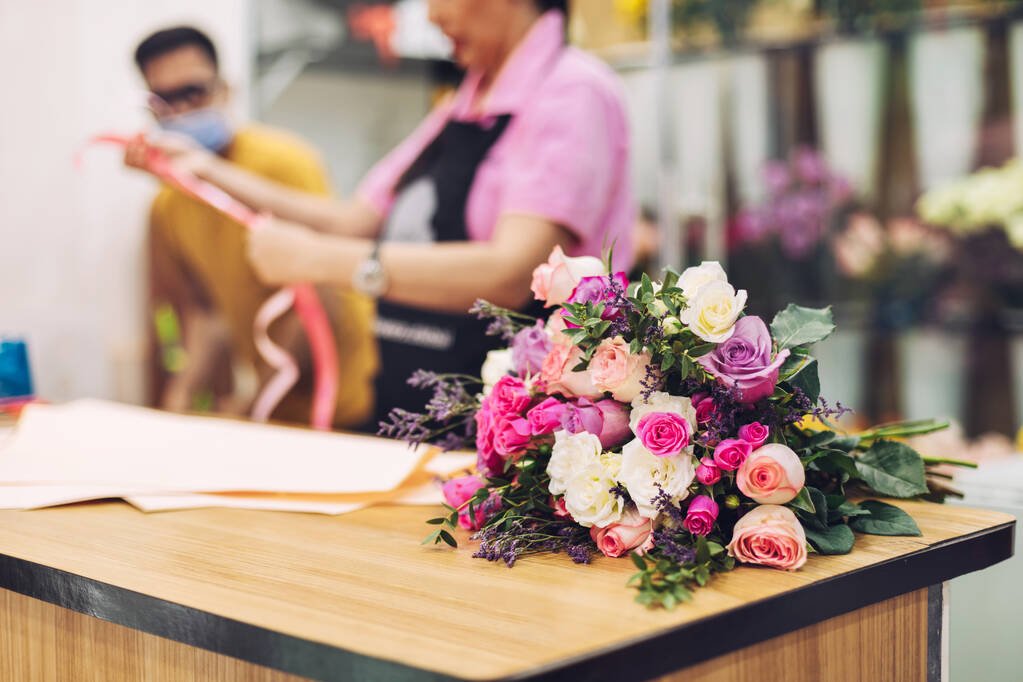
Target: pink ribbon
[{"x": 302, "y": 296}]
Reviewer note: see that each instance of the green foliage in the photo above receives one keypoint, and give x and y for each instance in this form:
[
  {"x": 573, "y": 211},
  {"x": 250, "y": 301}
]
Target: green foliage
[
  {"x": 883, "y": 519},
  {"x": 894, "y": 469},
  {"x": 664, "y": 583},
  {"x": 836, "y": 539},
  {"x": 799, "y": 326}
]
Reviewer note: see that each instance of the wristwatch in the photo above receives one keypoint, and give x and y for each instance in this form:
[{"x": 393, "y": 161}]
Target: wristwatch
[{"x": 369, "y": 278}]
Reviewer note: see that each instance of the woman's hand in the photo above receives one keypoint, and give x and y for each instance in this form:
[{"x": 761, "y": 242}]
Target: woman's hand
[
  {"x": 184, "y": 155},
  {"x": 285, "y": 253}
]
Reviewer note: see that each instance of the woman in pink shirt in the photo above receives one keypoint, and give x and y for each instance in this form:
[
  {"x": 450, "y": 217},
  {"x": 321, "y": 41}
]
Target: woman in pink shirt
[{"x": 529, "y": 154}]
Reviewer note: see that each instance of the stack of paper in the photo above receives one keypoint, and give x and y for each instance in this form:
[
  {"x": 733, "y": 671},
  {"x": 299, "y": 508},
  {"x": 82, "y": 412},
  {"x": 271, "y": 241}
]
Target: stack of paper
[{"x": 92, "y": 449}]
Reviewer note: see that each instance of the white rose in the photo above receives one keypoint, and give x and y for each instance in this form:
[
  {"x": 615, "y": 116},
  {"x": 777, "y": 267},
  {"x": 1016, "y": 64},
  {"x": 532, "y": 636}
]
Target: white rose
[
  {"x": 644, "y": 475},
  {"x": 589, "y": 498},
  {"x": 712, "y": 314},
  {"x": 693, "y": 279},
  {"x": 497, "y": 365},
  {"x": 572, "y": 452},
  {"x": 671, "y": 325},
  {"x": 659, "y": 401}
]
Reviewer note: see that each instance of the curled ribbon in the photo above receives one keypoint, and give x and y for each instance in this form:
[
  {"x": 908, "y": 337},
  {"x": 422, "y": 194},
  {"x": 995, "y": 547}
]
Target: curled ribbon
[{"x": 302, "y": 296}]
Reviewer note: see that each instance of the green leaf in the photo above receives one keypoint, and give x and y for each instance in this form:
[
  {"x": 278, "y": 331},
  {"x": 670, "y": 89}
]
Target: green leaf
[
  {"x": 837, "y": 462},
  {"x": 639, "y": 561},
  {"x": 891, "y": 468},
  {"x": 448, "y": 538},
  {"x": 834, "y": 540},
  {"x": 808, "y": 381},
  {"x": 798, "y": 326},
  {"x": 847, "y": 443},
  {"x": 436, "y": 522},
  {"x": 803, "y": 501},
  {"x": 884, "y": 519},
  {"x": 820, "y": 504}
]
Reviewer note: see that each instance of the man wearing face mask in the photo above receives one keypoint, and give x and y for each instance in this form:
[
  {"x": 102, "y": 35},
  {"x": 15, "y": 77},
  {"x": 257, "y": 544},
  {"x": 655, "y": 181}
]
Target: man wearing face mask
[{"x": 198, "y": 262}]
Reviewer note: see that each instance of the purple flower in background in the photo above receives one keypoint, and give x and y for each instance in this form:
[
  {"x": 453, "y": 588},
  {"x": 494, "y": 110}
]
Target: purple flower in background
[
  {"x": 529, "y": 347},
  {"x": 606, "y": 289},
  {"x": 744, "y": 360},
  {"x": 810, "y": 166},
  {"x": 776, "y": 177}
]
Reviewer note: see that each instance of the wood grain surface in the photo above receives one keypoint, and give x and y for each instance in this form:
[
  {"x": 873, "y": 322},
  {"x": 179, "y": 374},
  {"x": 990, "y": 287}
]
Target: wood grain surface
[{"x": 362, "y": 583}]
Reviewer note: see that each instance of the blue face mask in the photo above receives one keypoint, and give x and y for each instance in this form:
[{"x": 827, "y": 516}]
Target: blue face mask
[{"x": 209, "y": 127}]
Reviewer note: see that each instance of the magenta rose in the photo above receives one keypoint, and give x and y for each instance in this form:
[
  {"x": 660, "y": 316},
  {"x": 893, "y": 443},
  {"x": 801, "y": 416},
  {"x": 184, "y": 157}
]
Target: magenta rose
[
  {"x": 608, "y": 419},
  {"x": 705, "y": 407},
  {"x": 707, "y": 472},
  {"x": 601, "y": 289},
  {"x": 730, "y": 453},
  {"x": 744, "y": 360},
  {"x": 702, "y": 513},
  {"x": 755, "y": 433},
  {"x": 664, "y": 433},
  {"x": 511, "y": 436},
  {"x": 547, "y": 416},
  {"x": 480, "y": 513},
  {"x": 488, "y": 461},
  {"x": 529, "y": 349},
  {"x": 460, "y": 490},
  {"x": 509, "y": 397}
]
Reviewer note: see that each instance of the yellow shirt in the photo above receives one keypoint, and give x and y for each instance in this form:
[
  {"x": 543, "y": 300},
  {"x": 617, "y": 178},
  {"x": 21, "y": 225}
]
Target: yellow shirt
[{"x": 209, "y": 247}]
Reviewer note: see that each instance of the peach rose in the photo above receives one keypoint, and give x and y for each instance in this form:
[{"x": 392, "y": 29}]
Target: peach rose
[
  {"x": 555, "y": 280},
  {"x": 613, "y": 368},
  {"x": 557, "y": 374},
  {"x": 772, "y": 474},
  {"x": 632, "y": 532},
  {"x": 769, "y": 535}
]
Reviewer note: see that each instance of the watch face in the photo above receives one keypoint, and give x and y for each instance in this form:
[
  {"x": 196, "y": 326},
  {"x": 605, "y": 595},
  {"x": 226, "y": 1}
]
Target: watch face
[{"x": 370, "y": 278}]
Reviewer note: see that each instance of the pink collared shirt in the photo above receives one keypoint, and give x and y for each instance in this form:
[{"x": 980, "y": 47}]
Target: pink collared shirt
[{"x": 563, "y": 157}]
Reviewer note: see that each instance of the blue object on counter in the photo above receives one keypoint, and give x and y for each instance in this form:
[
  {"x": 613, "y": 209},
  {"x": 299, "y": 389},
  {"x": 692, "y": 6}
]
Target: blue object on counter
[{"x": 15, "y": 375}]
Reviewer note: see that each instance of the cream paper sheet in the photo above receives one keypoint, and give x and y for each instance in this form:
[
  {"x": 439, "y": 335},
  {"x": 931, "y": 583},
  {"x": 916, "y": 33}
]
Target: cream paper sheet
[{"x": 125, "y": 449}]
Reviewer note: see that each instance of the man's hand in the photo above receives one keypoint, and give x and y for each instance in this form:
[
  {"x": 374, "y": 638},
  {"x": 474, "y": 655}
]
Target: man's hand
[{"x": 184, "y": 155}]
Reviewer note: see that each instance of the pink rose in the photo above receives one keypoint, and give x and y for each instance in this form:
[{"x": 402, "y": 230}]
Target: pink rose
[
  {"x": 769, "y": 535},
  {"x": 705, "y": 407},
  {"x": 509, "y": 397},
  {"x": 707, "y": 472},
  {"x": 664, "y": 433},
  {"x": 511, "y": 436},
  {"x": 555, "y": 280},
  {"x": 460, "y": 490},
  {"x": 632, "y": 532},
  {"x": 608, "y": 419},
  {"x": 702, "y": 513},
  {"x": 613, "y": 368},
  {"x": 772, "y": 474},
  {"x": 488, "y": 461},
  {"x": 754, "y": 433},
  {"x": 557, "y": 375},
  {"x": 546, "y": 417},
  {"x": 560, "y": 509},
  {"x": 730, "y": 453}
]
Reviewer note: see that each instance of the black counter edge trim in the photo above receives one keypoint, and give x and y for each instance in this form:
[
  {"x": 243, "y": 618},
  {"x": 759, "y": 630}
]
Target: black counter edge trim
[
  {"x": 201, "y": 629},
  {"x": 701, "y": 640}
]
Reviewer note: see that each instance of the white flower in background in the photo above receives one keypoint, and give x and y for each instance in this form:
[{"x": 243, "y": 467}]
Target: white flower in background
[
  {"x": 713, "y": 312},
  {"x": 572, "y": 452},
  {"x": 588, "y": 497},
  {"x": 497, "y": 365},
  {"x": 644, "y": 475},
  {"x": 659, "y": 401},
  {"x": 693, "y": 279}
]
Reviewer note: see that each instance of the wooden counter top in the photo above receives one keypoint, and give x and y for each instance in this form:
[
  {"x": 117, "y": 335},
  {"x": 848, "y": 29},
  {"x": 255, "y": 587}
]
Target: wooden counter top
[{"x": 357, "y": 597}]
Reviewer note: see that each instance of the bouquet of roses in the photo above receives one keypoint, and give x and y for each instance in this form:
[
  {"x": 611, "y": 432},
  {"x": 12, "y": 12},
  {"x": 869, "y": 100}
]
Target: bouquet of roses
[{"x": 654, "y": 418}]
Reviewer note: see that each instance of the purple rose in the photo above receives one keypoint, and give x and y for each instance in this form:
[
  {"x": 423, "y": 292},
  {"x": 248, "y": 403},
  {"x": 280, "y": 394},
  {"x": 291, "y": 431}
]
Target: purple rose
[
  {"x": 608, "y": 419},
  {"x": 601, "y": 289},
  {"x": 744, "y": 360},
  {"x": 529, "y": 348},
  {"x": 547, "y": 416}
]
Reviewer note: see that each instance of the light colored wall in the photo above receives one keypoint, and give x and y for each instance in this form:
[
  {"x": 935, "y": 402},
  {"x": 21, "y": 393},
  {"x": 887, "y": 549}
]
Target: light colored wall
[
  {"x": 353, "y": 119},
  {"x": 71, "y": 270}
]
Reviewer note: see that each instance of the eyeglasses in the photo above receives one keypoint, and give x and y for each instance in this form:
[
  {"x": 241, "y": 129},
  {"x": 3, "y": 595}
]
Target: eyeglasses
[{"x": 190, "y": 94}]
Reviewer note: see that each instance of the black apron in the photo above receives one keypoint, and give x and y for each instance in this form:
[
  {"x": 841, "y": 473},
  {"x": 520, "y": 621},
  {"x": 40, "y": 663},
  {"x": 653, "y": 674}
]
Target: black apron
[{"x": 437, "y": 185}]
